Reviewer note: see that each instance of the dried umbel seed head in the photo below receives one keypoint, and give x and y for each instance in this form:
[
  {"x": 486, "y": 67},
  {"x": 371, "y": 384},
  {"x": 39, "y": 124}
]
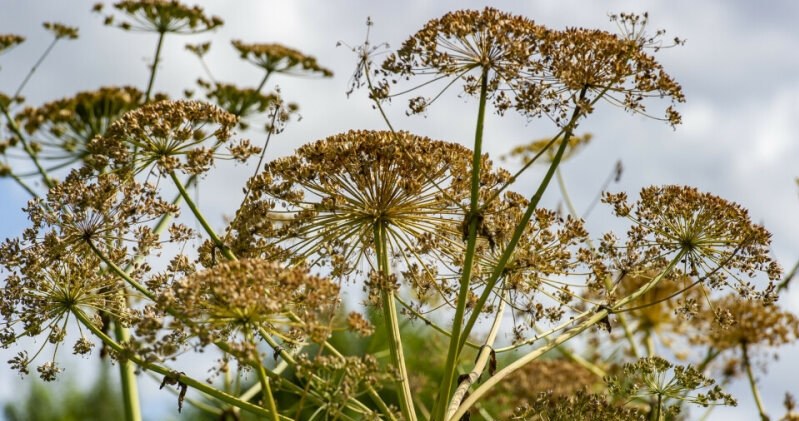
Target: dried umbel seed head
[
  {"x": 277, "y": 58},
  {"x": 250, "y": 104},
  {"x": 38, "y": 299},
  {"x": 656, "y": 377},
  {"x": 162, "y": 16},
  {"x": 557, "y": 378},
  {"x": 745, "y": 322},
  {"x": 323, "y": 204},
  {"x": 61, "y": 129},
  {"x": 715, "y": 240},
  {"x": 577, "y": 406},
  {"x": 170, "y": 136},
  {"x": 237, "y": 300},
  {"x": 8, "y": 41},
  {"x": 82, "y": 215},
  {"x": 470, "y": 44},
  {"x": 61, "y": 30}
]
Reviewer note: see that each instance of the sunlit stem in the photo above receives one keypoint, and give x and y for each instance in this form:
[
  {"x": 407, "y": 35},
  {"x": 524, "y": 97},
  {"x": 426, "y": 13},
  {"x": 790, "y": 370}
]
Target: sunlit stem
[
  {"x": 658, "y": 415},
  {"x": 127, "y": 373},
  {"x": 480, "y": 364},
  {"x": 121, "y": 273},
  {"x": 12, "y": 124},
  {"x": 445, "y": 389},
  {"x": 154, "y": 68},
  {"x": 753, "y": 383},
  {"x": 267, "y": 393},
  {"x": 182, "y": 378},
  {"x": 598, "y": 316},
  {"x": 391, "y": 321},
  {"x": 201, "y": 219}
]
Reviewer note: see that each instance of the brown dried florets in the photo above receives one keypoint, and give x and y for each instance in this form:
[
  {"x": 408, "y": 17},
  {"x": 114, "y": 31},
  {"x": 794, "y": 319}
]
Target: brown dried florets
[
  {"x": 277, "y": 58},
  {"x": 323, "y": 204},
  {"x": 466, "y": 43},
  {"x": 238, "y": 300},
  {"x": 169, "y": 135},
  {"x": 750, "y": 323},
  {"x": 8, "y": 41},
  {"x": 250, "y": 103},
  {"x": 108, "y": 212},
  {"x": 163, "y": 16},
  {"x": 530, "y": 68},
  {"x": 556, "y": 378},
  {"x": 37, "y": 299},
  {"x": 718, "y": 242},
  {"x": 62, "y": 129},
  {"x": 61, "y": 30}
]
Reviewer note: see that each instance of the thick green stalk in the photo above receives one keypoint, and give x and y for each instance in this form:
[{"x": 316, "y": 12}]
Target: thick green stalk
[
  {"x": 200, "y": 218},
  {"x": 457, "y": 338},
  {"x": 521, "y": 226},
  {"x": 391, "y": 321},
  {"x": 269, "y": 399},
  {"x": 182, "y": 378},
  {"x": 127, "y": 374},
  {"x": 153, "y": 70},
  {"x": 753, "y": 383}
]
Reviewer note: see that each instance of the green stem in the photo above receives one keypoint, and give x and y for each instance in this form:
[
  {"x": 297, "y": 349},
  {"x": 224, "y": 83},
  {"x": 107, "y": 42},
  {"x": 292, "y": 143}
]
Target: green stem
[
  {"x": 153, "y": 69},
  {"x": 753, "y": 383},
  {"x": 658, "y": 415},
  {"x": 24, "y": 185},
  {"x": 200, "y": 218},
  {"x": 127, "y": 374},
  {"x": 182, "y": 378},
  {"x": 391, "y": 321},
  {"x": 520, "y": 227},
  {"x": 35, "y": 67},
  {"x": 457, "y": 338}
]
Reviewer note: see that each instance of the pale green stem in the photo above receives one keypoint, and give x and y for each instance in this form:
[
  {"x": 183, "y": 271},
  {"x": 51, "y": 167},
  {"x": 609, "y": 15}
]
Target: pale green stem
[
  {"x": 445, "y": 389},
  {"x": 598, "y": 316},
  {"x": 200, "y": 218},
  {"x": 24, "y": 185},
  {"x": 154, "y": 68},
  {"x": 658, "y": 415},
  {"x": 121, "y": 273},
  {"x": 753, "y": 383},
  {"x": 127, "y": 374},
  {"x": 480, "y": 363},
  {"x": 182, "y": 378},
  {"x": 650, "y": 343},
  {"x": 391, "y": 321},
  {"x": 267, "y": 393},
  {"x": 35, "y": 67}
]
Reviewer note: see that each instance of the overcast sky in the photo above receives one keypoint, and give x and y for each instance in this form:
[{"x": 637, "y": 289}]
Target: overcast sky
[{"x": 739, "y": 70}]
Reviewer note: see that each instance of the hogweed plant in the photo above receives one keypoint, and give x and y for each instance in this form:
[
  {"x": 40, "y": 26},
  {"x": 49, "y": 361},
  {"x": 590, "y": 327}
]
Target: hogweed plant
[{"x": 419, "y": 231}]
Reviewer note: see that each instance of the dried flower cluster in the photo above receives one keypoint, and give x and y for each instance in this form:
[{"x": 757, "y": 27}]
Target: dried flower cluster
[
  {"x": 530, "y": 68},
  {"x": 336, "y": 249},
  {"x": 162, "y": 16}
]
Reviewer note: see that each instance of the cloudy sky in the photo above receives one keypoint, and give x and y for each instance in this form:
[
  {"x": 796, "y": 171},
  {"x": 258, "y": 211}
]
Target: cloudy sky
[{"x": 739, "y": 70}]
